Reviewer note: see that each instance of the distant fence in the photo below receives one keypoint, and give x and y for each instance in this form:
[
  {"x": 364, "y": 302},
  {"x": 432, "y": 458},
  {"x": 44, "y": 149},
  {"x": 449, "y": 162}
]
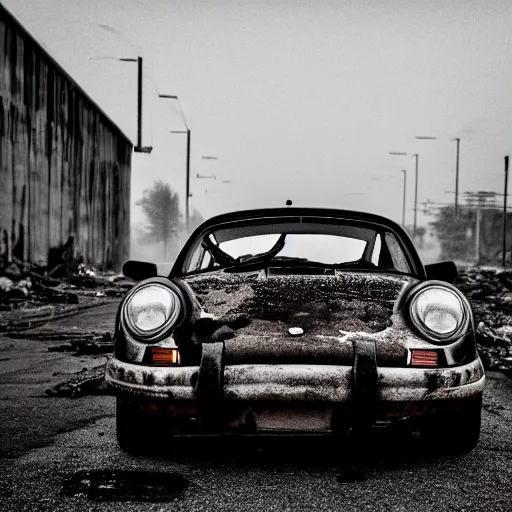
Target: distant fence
[{"x": 64, "y": 165}]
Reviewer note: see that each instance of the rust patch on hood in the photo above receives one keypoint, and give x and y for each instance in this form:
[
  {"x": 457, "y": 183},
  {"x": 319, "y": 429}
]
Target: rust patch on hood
[{"x": 321, "y": 305}]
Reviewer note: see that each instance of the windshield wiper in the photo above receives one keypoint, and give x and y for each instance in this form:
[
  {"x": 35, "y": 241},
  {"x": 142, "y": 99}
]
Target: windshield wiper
[
  {"x": 304, "y": 261},
  {"x": 262, "y": 257},
  {"x": 221, "y": 257}
]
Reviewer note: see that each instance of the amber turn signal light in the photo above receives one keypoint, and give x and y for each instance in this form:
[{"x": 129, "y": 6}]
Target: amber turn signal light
[
  {"x": 424, "y": 358},
  {"x": 164, "y": 356}
]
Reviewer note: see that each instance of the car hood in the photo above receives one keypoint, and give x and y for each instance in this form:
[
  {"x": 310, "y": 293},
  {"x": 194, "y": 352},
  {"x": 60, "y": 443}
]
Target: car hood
[
  {"x": 253, "y": 312},
  {"x": 270, "y": 302}
]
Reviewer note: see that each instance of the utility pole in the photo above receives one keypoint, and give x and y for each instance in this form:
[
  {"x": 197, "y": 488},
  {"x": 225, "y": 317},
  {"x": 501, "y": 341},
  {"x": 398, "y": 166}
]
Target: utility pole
[
  {"x": 401, "y": 153},
  {"x": 477, "y": 234},
  {"x": 139, "y": 148},
  {"x": 505, "y": 212},
  {"x": 139, "y": 102},
  {"x": 187, "y": 180},
  {"x": 416, "y": 156},
  {"x": 187, "y": 192},
  {"x": 457, "y": 140},
  {"x": 403, "y": 203}
]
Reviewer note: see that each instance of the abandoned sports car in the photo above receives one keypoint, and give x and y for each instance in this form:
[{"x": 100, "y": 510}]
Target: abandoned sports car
[{"x": 296, "y": 320}]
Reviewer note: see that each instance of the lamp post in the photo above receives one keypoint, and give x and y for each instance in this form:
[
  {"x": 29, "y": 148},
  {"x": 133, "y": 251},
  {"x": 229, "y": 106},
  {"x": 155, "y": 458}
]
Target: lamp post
[
  {"x": 403, "y": 201},
  {"x": 457, "y": 155},
  {"x": 400, "y": 153},
  {"x": 505, "y": 213},
  {"x": 457, "y": 140},
  {"x": 416, "y": 156},
  {"x": 187, "y": 180},
  {"x": 139, "y": 148},
  {"x": 404, "y": 171}
]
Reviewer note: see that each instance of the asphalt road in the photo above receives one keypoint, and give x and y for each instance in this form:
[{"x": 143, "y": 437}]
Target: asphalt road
[{"x": 57, "y": 454}]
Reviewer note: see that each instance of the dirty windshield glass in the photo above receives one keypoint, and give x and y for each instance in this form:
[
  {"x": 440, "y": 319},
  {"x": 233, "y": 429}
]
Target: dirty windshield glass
[{"x": 312, "y": 247}]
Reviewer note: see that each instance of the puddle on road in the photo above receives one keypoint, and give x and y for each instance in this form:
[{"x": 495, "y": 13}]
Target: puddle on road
[{"x": 109, "y": 485}]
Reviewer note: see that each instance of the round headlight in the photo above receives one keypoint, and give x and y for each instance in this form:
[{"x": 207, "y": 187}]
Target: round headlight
[
  {"x": 151, "y": 309},
  {"x": 438, "y": 313}
]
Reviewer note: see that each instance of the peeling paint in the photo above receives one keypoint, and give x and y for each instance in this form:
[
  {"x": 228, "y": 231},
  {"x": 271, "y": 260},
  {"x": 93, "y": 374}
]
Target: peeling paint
[
  {"x": 325, "y": 384},
  {"x": 261, "y": 309}
]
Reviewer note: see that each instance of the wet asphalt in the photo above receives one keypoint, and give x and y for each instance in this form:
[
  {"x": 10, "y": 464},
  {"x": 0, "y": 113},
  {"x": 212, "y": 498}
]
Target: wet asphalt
[{"x": 60, "y": 454}]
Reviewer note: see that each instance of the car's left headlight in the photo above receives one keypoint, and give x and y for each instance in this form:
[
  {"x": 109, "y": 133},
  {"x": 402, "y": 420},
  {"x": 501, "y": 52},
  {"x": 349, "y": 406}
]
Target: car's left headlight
[
  {"x": 439, "y": 313},
  {"x": 151, "y": 311}
]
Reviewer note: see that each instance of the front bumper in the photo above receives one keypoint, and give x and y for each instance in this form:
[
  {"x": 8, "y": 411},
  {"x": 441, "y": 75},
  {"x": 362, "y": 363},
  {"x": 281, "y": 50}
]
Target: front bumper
[{"x": 300, "y": 384}]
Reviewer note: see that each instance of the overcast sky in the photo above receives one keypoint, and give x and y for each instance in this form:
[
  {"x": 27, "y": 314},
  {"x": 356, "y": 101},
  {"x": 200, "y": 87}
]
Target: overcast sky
[{"x": 297, "y": 99}]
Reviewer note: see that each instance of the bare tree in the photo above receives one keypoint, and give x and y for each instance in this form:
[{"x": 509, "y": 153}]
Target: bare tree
[
  {"x": 161, "y": 207},
  {"x": 196, "y": 219}
]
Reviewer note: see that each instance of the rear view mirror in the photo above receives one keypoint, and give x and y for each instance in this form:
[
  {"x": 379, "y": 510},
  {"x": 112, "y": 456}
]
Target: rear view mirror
[
  {"x": 442, "y": 271},
  {"x": 139, "y": 270}
]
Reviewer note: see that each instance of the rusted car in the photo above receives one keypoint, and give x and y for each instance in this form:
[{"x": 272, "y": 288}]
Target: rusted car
[{"x": 296, "y": 320}]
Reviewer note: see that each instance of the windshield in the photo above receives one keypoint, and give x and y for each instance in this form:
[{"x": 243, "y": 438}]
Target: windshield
[
  {"x": 321, "y": 248},
  {"x": 301, "y": 244}
]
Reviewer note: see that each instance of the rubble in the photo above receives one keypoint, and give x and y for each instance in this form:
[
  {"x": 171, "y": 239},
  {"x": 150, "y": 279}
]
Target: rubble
[
  {"x": 489, "y": 290},
  {"x": 32, "y": 293},
  {"x": 86, "y": 382},
  {"x": 78, "y": 341}
]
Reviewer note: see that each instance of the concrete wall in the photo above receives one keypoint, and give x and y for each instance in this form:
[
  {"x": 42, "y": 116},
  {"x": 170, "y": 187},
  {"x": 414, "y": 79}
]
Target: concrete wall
[{"x": 64, "y": 165}]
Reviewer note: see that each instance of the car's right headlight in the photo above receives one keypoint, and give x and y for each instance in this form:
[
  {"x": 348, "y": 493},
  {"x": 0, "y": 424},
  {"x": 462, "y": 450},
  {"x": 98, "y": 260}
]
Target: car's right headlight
[{"x": 152, "y": 310}]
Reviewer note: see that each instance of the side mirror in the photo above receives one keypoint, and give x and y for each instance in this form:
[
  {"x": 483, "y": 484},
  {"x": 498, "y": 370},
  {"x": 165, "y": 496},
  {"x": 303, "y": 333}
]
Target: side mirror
[
  {"x": 442, "y": 271},
  {"x": 139, "y": 270}
]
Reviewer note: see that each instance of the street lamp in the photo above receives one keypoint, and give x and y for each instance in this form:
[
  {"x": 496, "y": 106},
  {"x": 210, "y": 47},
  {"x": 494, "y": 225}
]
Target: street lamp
[
  {"x": 139, "y": 148},
  {"x": 416, "y": 156},
  {"x": 505, "y": 213},
  {"x": 404, "y": 171},
  {"x": 399, "y": 153},
  {"x": 403, "y": 202},
  {"x": 187, "y": 182},
  {"x": 457, "y": 140}
]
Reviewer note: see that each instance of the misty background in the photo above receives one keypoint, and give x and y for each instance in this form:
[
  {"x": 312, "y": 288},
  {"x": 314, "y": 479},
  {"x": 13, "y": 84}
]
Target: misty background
[{"x": 295, "y": 99}]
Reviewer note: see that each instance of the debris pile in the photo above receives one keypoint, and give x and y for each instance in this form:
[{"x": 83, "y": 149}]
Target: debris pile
[
  {"x": 89, "y": 344},
  {"x": 489, "y": 291},
  {"x": 79, "y": 341},
  {"x": 87, "y": 382},
  {"x": 31, "y": 292}
]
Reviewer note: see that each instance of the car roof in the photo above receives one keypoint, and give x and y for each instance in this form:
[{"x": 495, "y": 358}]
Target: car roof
[
  {"x": 290, "y": 212},
  {"x": 295, "y": 211}
]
